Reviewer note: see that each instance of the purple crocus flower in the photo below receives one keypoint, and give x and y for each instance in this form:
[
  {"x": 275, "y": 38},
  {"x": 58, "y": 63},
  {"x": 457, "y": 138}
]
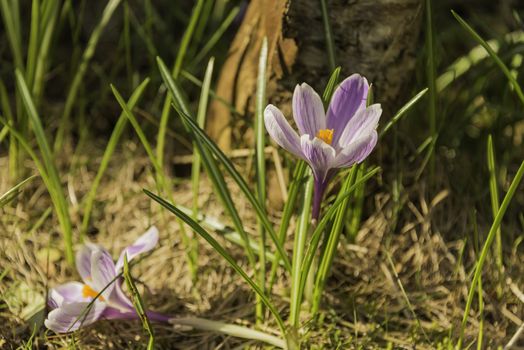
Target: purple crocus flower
[
  {"x": 340, "y": 139},
  {"x": 72, "y": 303}
]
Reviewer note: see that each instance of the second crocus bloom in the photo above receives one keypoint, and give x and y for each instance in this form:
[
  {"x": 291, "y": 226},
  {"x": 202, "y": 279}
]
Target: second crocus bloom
[{"x": 344, "y": 136}]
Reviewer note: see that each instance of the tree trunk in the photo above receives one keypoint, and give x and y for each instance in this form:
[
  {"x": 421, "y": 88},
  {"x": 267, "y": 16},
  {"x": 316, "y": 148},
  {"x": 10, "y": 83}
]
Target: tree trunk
[{"x": 376, "y": 38}]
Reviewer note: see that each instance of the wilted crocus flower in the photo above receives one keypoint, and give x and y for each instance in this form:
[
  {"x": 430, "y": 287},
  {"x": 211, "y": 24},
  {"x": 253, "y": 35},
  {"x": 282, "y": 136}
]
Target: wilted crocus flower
[
  {"x": 73, "y": 304},
  {"x": 340, "y": 139}
]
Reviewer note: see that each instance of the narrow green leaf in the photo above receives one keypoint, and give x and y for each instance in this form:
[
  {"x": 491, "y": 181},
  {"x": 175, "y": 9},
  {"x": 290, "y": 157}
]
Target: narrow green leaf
[
  {"x": 217, "y": 34},
  {"x": 139, "y": 305},
  {"x": 13, "y": 192},
  {"x": 317, "y": 233},
  {"x": 328, "y": 34},
  {"x": 181, "y": 54},
  {"x": 199, "y": 133},
  {"x": 210, "y": 164},
  {"x": 56, "y": 190},
  {"x": 493, "y": 55},
  {"x": 485, "y": 249},
  {"x": 219, "y": 249},
  {"x": 110, "y": 149},
  {"x": 402, "y": 111},
  {"x": 82, "y": 68},
  {"x": 494, "y": 194}
]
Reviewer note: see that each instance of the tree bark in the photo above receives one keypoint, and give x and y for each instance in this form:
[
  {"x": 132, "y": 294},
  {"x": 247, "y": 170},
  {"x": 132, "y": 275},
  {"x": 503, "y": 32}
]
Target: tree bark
[{"x": 376, "y": 38}]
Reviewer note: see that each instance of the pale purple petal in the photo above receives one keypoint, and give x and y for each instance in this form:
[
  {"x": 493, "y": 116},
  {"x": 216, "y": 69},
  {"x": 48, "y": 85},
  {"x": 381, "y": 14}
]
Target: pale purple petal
[
  {"x": 143, "y": 244},
  {"x": 361, "y": 125},
  {"x": 308, "y": 110},
  {"x": 357, "y": 151},
  {"x": 66, "y": 293},
  {"x": 83, "y": 259},
  {"x": 349, "y": 97},
  {"x": 279, "y": 129},
  {"x": 103, "y": 273},
  {"x": 319, "y": 155},
  {"x": 71, "y": 316},
  {"x": 118, "y": 299},
  {"x": 111, "y": 313}
]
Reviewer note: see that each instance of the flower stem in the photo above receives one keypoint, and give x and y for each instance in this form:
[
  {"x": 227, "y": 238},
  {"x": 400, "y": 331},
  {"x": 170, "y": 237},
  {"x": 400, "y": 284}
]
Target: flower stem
[{"x": 230, "y": 329}]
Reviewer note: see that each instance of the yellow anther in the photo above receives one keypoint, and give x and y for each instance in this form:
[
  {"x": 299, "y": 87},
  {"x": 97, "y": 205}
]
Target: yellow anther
[
  {"x": 326, "y": 135},
  {"x": 90, "y": 292}
]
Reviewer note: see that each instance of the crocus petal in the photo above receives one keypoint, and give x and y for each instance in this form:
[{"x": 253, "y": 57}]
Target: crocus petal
[
  {"x": 308, "y": 110},
  {"x": 118, "y": 300},
  {"x": 361, "y": 125},
  {"x": 66, "y": 293},
  {"x": 349, "y": 97},
  {"x": 83, "y": 259},
  {"x": 111, "y": 313},
  {"x": 319, "y": 155},
  {"x": 103, "y": 273},
  {"x": 143, "y": 244},
  {"x": 357, "y": 151},
  {"x": 71, "y": 316},
  {"x": 279, "y": 129}
]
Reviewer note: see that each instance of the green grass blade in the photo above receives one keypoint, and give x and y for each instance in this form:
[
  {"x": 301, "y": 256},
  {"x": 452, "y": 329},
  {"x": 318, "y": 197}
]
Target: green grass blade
[
  {"x": 49, "y": 20},
  {"x": 195, "y": 81},
  {"x": 108, "y": 153},
  {"x": 32, "y": 49},
  {"x": 210, "y": 165},
  {"x": 45, "y": 150},
  {"x": 260, "y": 145},
  {"x": 82, "y": 68},
  {"x": 9, "y": 17},
  {"x": 186, "y": 39},
  {"x": 201, "y": 120},
  {"x": 431, "y": 80},
  {"x": 200, "y": 134},
  {"x": 485, "y": 249},
  {"x": 138, "y": 129},
  {"x": 317, "y": 233},
  {"x": 328, "y": 35},
  {"x": 402, "y": 111},
  {"x": 219, "y": 249},
  {"x": 139, "y": 305},
  {"x": 494, "y": 194},
  {"x": 13, "y": 192},
  {"x": 293, "y": 191},
  {"x": 332, "y": 240},
  {"x": 492, "y": 54},
  {"x": 215, "y": 37},
  {"x": 331, "y": 85}
]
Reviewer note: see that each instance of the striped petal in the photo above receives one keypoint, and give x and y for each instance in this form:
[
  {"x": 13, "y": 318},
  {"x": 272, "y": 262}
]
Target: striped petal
[
  {"x": 279, "y": 129},
  {"x": 103, "y": 273},
  {"x": 83, "y": 259},
  {"x": 308, "y": 110},
  {"x": 362, "y": 125},
  {"x": 357, "y": 151},
  {"x": 71, "y": 316},
  {"x": 143, "y": 244},
  {"x": 349, "y": 97},
  {"x": 319, "y": 155}
]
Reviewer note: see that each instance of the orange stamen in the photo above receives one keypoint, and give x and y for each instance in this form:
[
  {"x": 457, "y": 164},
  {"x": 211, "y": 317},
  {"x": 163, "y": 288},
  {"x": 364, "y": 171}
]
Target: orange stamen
[
  {"x": 326, "y": 135},
  {"x": 87, "y": 292}
]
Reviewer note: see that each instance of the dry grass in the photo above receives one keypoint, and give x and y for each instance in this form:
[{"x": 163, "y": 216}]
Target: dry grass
[{"x": 365, "y": 306}]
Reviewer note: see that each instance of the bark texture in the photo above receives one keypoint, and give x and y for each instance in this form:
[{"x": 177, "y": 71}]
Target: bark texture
[{"x": 376, "y": 38}]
